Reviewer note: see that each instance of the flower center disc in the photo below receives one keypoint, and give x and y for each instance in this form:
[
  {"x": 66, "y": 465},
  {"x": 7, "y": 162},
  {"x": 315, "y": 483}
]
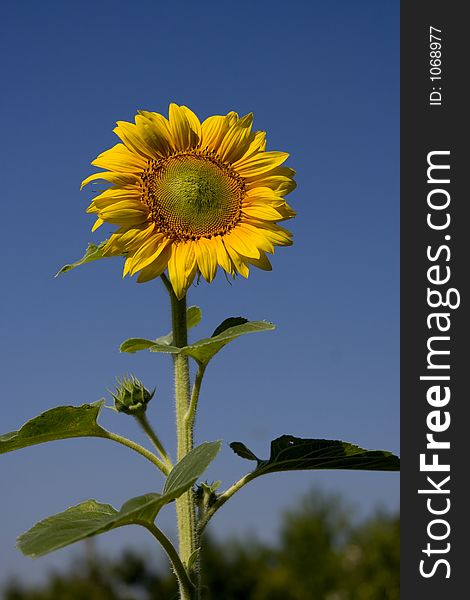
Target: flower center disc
[{"x": 192, "y": 195}]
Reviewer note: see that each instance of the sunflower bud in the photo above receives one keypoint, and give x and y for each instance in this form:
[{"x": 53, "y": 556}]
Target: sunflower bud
[
  {"x": 131, "y": 396},
  {"x": 206, "y": 495}
]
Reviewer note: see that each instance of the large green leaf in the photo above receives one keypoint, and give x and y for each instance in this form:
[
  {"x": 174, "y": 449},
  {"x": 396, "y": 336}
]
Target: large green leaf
[
  {"x": 289, "y": 453},
  {"x": 191, "y": 467},
  {"x": 93, "y": 252},
  {"x": 87, "y": 519},
  {"x": 163, "y": 343},
  {"x": 135, "y": 344},
  {"x": 203, "y": 350},
  {"x": 57, "y": 423},
  {"x": 92, "y": 518}
]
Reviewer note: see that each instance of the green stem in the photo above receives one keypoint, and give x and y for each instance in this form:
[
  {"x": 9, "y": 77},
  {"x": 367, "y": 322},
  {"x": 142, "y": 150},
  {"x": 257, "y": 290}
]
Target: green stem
[
  {"x": 222, "y": 499},
  {"x": 191, "y": 414},
  {"x": 185, "y": 504},
  {"x": 148, "y": 429},
  {"x": 137, "y": 448},
  {"x": 186, "y": 587}
]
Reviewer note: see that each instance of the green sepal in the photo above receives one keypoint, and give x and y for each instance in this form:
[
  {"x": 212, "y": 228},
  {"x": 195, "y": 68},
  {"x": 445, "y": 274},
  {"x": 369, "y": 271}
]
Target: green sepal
[
  {"x": 92, "y": 253},
  {"x": 289, "y": 453}
]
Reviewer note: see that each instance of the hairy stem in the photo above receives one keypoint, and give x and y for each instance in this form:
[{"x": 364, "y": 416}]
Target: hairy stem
[
  {"x": 191, "y": 414},
  {"x": 148, "y": 429},
  {"x": 186, "y": 587},
  {"x": 138, "y": 448},
  {"x": 222, "y": 499},
  {"x": 185, "y": 504}
]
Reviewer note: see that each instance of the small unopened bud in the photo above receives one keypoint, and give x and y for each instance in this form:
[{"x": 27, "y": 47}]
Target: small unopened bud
[
  {"x": 131, "y": 396},
  {"x": 206, "y": 495}
]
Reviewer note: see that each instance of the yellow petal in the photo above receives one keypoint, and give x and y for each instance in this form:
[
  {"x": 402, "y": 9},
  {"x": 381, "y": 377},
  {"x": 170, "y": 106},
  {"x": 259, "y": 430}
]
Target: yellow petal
[
  {"x": 127, "y": 266},
  {"x": 161, "y": 125},
  {"x": 121, "y": 214},
  {"x": 97, "y": 224},
  {"x": 286, "y": 211},
  {"x": 213, "y": 130},
  {"x": 158, "y": 120},
  {"x": 223, "y": 259},
  {"x": 279, "y": 184},
  {"x": 206, "y": 257},
  {"x": 193, "y": 121},
  {"x": 129, "y": 134},
  {"x": 125, "y": 240},
  {"x": 156, "y": 268},
  {"x": 262, "y": 212},
  {"x": 237, "y": 260},
  {"x": 256, "y": 234},
  {"x": 259, "y": 163},
  {"x": 262, "y": 262},
  {"x": 115, "y": 178},
  {"x": 262, "y": 194},
  {"x": 276, "y": 234},
  {"x": 257, "y": 144},
  {"x": 148, "y": 253},
  {"x": 182, "y": 267},
  {"x": 119, "y": 158},
  {"x": 117, "y": 195},
  {"x": 236, "y": 140},
  {"x": 106, "y": 203},
  {"x": 183, "y": 136},
  {"x": 155, "y": 133},
  {"x": 240, "y": 242}
]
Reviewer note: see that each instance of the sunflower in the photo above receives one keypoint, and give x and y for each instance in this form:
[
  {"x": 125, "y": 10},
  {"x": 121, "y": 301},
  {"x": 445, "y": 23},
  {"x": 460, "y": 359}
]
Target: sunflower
[{"x": 190, "y": 196}]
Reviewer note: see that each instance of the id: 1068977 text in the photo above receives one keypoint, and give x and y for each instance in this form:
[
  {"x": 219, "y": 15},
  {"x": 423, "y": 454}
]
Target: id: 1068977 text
[{"x": 435, "y": 61}]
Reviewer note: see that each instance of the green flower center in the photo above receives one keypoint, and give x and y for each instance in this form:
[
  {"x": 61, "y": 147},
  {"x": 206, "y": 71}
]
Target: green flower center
[{"x": 192, "y": 195}]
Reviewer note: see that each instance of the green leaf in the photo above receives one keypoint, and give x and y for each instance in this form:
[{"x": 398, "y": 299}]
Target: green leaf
[
  {"x": 92, "y": 518},
  {"x": 185, "y": 473},
  {"x": 207, "y": 348},
  {"x": 193, "y": 318},
  {"x": 243, "y": 451},
  {"x": 193, "y": 557},
  {"x": 289, "y": 453},
  {"x": 93, "y": 252},
  {"x": 163, "y": 343},
  {"x": 57, "y": 423},
  {"x": 87, "y": 519},
  {"x": 135, "y": 344},
  {"x": 230, "y": 322},
  {"x": 203, "y": 350}
]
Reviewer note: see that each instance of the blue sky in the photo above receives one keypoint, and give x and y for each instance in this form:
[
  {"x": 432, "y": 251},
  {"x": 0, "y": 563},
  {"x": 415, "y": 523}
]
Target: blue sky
[{"x": 322, "y": 80}]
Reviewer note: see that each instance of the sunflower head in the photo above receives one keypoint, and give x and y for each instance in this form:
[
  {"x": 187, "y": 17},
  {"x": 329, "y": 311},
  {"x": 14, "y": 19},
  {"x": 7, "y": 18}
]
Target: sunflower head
[{"x": 189, "y": 196}]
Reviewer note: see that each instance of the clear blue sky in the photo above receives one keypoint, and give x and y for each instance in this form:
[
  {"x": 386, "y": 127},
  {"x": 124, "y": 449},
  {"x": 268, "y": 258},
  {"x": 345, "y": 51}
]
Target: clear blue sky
[{"x": 322, "y": 79}]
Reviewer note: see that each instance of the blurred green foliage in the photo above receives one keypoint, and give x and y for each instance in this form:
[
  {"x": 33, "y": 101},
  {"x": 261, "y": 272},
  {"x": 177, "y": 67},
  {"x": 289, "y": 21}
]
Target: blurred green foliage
[{"x": 321, "y": 554}]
